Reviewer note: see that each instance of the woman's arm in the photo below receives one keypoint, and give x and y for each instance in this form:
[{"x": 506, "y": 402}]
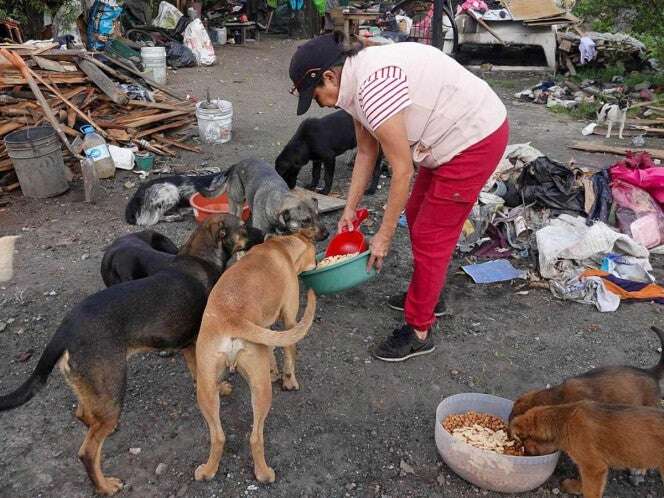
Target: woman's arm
[
  {"x": 394, "y": 143},
  {"x": 365, "y": 160}
]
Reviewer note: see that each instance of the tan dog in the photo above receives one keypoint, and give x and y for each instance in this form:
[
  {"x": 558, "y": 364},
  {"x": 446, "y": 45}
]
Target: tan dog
[
  {"x": 597, "y": 436},
  {"x": 620, "y": 385},
  {"x": 253, "y": 294}
]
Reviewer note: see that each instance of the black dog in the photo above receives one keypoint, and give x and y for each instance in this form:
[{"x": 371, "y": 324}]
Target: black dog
[
  {"x": 160, "y": 196},
  {"x": 136, "y": 255},
  {"x": 321, "y": 140},
  {"x": 159, "y": 312}
]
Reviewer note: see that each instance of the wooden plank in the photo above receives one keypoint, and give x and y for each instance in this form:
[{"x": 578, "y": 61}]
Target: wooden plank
[
  {"x": 102, "y": 81},
  {"x": 179, "y": 145},
  {"x": 153, "y": 119},
  {"x": 6, "y": 165},
  {"x": 326, "y": 203},
  {"x": 69, "y": 104},
  {"x": 53, "y": 65},
  {"x": 160, "y": 105},
  {"x": 620, "y": 151},
  {"x": 149, "y": 81},
  {"x": 119, "y": 135},
  {"x": 27, "y": 74},
  {"x": 167, "y": 126}
]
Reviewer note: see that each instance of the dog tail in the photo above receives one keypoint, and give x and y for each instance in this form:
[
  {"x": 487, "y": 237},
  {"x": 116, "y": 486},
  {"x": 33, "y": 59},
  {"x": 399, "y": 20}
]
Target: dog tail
[
  {"x": 54, "y": 350},
  {"x": 260, "y": 335},
  {"x": 658, "y": 370},
  {"x": 601, "y": 115}
]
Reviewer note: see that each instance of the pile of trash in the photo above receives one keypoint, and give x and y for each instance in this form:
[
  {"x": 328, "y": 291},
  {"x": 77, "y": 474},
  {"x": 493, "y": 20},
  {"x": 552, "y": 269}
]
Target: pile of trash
[
  {"x": 603, "y": 49},
  {"x": 588, "y": 234}
]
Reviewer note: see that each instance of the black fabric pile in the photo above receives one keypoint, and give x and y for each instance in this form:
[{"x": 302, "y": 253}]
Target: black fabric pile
[{"x": 548, "y": 184}]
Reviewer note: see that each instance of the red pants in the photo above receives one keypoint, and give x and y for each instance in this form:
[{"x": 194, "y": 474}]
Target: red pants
[{"x": 438, "y": 206}]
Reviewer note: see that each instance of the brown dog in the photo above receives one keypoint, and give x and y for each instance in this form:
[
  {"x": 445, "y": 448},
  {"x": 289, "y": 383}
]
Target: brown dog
[
  {"x": 597, "y": 436},
  {"x": 620, "y": 385},
  {"x": 162, "y": 311},
  {"x": 253, "y": 294}
]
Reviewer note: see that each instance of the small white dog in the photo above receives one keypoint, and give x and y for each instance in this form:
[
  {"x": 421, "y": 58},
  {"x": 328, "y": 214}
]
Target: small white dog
[{"x": 614, "y": 113}]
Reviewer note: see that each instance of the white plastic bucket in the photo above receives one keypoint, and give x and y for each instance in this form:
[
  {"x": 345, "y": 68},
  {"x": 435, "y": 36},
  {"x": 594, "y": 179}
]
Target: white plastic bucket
[
  {"x": 154, "y": 61},
  {"x": 221, "y": 35},
  {"x": 215, "y": 125}
]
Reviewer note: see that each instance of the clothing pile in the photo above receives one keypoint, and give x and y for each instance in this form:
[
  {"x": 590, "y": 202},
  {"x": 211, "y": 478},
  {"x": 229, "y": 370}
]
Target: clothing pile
[{"x": 589, "y": 233}]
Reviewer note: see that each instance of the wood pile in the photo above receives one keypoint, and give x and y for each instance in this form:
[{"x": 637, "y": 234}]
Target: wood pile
[
  {"x": 611, "y": 49},
  {"x": 69, "y": 88}
]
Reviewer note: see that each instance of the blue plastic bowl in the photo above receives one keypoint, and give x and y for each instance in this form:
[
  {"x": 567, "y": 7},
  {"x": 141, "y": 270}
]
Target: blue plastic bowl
[{"x": 339, "y": 276}]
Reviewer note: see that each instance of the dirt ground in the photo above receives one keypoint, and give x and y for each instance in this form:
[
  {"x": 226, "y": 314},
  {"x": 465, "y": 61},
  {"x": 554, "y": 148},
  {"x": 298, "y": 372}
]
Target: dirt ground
[{"x": 355, "y": 420}]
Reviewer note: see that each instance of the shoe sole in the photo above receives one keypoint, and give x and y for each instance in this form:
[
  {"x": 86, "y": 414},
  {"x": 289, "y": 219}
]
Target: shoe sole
[
  {"x": 412, "y": 355},
  {"x": 437, "y": 315}
]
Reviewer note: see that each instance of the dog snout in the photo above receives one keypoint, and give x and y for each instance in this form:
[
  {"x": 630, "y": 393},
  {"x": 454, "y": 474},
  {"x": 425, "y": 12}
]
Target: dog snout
[{"x": 322, "y": 233}]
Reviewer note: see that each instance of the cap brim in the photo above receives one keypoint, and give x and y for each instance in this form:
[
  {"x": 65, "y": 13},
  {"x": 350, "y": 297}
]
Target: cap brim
[{"x": 304, "y": 101}]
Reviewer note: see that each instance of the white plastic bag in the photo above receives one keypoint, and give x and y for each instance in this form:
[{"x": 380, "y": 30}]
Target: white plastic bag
[
  {"x": 167, "y": 17},
  {"x": 123, "y": 158},
  {"x": 196, "y": 38}
]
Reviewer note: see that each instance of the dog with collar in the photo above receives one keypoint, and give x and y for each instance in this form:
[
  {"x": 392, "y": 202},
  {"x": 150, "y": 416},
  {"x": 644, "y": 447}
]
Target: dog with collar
[
  {"x": 614, "y": 113},
  {"x": 159, "y": 312},
  {"x": 235, "y": 333},
  {"x": 161, "y": 198},
  {"x": 275, "y": 209},
  {"x": 321, "y": 140},
  {"x": 136, "y": 255}
]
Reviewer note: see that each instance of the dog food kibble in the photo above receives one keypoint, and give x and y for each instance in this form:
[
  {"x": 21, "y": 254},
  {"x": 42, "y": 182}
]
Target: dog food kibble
[
  {"x": 483, "y": 431},
  {"x": 330, "y": 260}
]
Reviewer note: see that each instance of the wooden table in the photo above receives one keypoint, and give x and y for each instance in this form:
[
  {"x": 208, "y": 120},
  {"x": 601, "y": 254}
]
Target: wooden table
[
  {"x": 243, "y": 27},
  {"x": 352, "y": 20}
]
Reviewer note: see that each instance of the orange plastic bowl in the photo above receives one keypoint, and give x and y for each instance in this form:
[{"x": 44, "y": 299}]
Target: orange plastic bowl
[{"x": 207, "y": 206}]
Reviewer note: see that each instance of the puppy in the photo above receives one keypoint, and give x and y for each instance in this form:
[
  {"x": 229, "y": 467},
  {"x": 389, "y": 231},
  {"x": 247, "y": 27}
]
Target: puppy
[
  {"x": 274, "y": 208},
  {"x": 321, "y": 140},
  {"x": 159, "y": 312},
  {"x": 614, "y": 113},
  {"x": 158, "y": 199},
  {"x": 597, "y": 437},
  {"x": 136, "y": 255},
  {"x": 235, "y": 333},
  {"x": 621, "y": 385}
]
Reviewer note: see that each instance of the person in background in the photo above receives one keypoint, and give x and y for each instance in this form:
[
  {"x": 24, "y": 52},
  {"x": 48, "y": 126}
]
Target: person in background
[{"x": 422, "y": 109}]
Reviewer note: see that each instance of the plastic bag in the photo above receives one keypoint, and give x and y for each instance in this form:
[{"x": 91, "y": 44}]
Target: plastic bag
[
  {"x": 196, "y": 38},
  {"x": 167, "y": 17},
  {"x": 101, "y": 17},
  {"x": 640, "y": 170},
  {"x": 177, "y": 55},
  {"x": 638, "y": 214}
]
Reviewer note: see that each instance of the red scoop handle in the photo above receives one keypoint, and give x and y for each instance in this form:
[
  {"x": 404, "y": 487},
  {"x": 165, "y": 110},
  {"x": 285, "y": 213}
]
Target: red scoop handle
[{"x": 360, "y": 216}]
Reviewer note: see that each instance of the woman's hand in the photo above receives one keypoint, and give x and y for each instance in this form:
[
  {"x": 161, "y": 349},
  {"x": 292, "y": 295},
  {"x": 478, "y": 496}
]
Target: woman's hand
[
  {"x": 379, "y": 246},
  {"x": 346, "y": 220}
]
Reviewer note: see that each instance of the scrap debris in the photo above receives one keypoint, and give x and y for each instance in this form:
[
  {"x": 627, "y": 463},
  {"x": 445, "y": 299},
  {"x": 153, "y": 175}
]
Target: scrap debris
[{"x": 71, "y": 88}]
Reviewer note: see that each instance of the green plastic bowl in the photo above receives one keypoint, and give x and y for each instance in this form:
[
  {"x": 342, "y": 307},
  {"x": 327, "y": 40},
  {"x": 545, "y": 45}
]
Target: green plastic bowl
[{"x": 340, "y": 276}]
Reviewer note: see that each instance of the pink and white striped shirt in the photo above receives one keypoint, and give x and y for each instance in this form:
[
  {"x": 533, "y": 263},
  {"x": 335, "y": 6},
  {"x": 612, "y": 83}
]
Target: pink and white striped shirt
[{"x": 383, "y": 94}]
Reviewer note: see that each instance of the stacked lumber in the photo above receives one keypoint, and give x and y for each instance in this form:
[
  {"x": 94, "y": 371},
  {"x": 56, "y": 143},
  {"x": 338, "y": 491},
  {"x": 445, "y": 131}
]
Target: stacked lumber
[
  {"x": 69, "y": 88},
  {"x": 612, "y": 48}
]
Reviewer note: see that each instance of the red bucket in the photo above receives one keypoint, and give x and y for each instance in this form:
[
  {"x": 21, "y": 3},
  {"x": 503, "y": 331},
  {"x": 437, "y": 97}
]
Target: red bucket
[{"x": 207, "y": 206}]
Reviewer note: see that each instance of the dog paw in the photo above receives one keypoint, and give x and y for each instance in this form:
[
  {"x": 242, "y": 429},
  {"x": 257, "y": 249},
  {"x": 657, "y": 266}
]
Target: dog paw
[
  {"x": 109, "y": 486},
  {"x": 571, "y": 486},
  {"x": 266, "y": 475},
  {"x": 289, "y": 383},
  {"x": 225, "y": 388},
  {"x": 203, "y": 473}
]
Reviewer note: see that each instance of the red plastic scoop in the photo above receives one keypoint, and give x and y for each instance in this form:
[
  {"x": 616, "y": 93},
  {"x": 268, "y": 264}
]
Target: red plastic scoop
[{"x": 349, "y": 242}]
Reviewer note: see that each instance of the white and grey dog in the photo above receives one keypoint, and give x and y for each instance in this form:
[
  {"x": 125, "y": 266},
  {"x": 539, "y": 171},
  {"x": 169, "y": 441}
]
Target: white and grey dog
[
  {"x": 160, "y": 198},
  {"x": 614, "y": 113}
]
